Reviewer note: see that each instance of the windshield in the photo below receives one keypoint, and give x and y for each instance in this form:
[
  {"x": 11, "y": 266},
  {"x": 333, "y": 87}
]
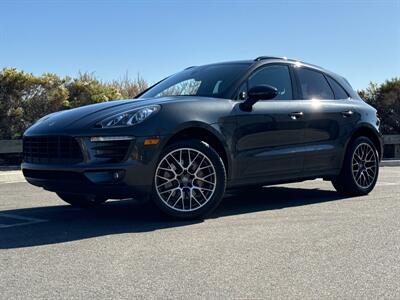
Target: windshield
[{"x": 205, "y": 81}]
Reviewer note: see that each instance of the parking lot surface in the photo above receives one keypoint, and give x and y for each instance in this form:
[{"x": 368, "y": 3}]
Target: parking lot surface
[{"x": 299, "y": 240}]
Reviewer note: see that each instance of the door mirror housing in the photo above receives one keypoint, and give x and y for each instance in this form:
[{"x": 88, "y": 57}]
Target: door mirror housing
[{"x": 256, "y": 93}]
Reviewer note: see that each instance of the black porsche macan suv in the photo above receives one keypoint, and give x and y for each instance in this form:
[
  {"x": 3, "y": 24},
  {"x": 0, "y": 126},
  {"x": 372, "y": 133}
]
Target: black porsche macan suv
[{"x": 193, "y": 135}]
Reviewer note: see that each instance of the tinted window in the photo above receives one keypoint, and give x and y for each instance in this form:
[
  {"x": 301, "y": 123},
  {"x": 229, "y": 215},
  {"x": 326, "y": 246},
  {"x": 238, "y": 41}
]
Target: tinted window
[
  {"x": 277, "y": 76},
  {"x": 207, "y": 81},
  {"x": 314, "y": 85},
  {"x": 340, "y": 93}
]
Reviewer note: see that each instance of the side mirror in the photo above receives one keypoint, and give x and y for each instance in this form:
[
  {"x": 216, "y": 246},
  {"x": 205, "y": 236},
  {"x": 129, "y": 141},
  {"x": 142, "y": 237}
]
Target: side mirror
[{"x": 256, "y": 93}]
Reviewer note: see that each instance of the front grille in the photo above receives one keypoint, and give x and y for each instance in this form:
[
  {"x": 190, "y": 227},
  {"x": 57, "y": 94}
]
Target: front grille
[
  {"x": 51, "y": 150},
  {"x": 110, "y": 151}
]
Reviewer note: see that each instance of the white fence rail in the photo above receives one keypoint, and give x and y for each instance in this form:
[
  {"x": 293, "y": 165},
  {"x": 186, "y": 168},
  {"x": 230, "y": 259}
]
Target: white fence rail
[
  {"x": 393, "y": 139},
  {"x": 10, "y": 146}
]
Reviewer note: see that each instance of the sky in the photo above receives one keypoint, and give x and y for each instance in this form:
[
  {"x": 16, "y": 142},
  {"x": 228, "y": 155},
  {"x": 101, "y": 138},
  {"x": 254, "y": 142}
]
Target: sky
[{"x": 359, "y": 40}]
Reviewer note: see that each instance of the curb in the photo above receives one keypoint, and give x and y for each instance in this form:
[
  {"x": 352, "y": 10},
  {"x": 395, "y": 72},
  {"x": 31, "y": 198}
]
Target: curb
[
  {"x": 390, "y": 163},
  {"x": 10, "y": 168}
]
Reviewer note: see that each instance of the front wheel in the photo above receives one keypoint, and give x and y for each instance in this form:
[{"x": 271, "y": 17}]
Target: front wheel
[
  {"x": 360, "y": 169},
  {"x": 189, "y": 181},
  {"x": 80, "y": 200}
]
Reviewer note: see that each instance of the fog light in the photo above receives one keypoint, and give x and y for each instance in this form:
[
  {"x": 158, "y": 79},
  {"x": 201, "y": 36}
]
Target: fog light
[
  {"x": 118, "y": 175},
  {"x": 110, "y": 176}
]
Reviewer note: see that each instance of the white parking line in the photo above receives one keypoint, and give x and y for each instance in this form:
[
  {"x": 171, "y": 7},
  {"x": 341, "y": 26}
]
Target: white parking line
[
  {"x": 387, "y": 183},
  {"x": 24, "y": 220},
  {"x": 13, "y": 181},
  {"x": 11, "y": 177},
  {"x": 6, "y": 173}
]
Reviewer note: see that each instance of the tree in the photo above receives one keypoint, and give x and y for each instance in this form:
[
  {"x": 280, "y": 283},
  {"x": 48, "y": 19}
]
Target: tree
[
  {"x": 129, "y": 88},
  {"x": 386, "y": 99},
  {"x": 24, "y": 98},
  {"x": 86, "y": 89}
]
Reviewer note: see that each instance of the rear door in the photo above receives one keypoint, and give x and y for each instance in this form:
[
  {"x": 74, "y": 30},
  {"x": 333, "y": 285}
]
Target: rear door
[
  {"x": 268, "y": 138},
  {"x": 329, "y": 117}
]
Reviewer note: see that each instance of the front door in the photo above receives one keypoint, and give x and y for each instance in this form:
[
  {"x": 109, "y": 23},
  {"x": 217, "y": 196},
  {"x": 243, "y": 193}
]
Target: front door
[{"x": 269, "y": 138}]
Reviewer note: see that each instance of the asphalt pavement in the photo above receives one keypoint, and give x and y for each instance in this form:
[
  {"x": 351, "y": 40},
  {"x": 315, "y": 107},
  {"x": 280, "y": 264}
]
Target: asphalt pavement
[{"x": 298, "y": 241}]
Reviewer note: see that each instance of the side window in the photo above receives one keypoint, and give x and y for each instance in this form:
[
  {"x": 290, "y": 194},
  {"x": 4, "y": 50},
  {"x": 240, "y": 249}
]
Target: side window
[
  {"x": 340, "y": 93},
  {"x": 314, "y": 85},
  {"x": 277, "y": 76}
]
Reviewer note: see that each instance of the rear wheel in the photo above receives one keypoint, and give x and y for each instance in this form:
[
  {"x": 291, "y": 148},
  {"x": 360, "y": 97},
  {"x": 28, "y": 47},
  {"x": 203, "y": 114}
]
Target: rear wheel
[
  {"x": 190, "y": 180},
  {"x": 80, "y": 200},
  {"x": 360, "y": 169}
]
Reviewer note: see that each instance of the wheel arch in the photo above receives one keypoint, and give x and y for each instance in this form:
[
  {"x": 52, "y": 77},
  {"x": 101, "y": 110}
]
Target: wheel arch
[
  {"x": 207, "y": 134},
  {"x": 369, "y": 132}
]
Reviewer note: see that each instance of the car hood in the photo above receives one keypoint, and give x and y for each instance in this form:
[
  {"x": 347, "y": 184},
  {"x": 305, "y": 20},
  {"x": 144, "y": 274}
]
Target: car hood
[{"x": 87, "y": 116}]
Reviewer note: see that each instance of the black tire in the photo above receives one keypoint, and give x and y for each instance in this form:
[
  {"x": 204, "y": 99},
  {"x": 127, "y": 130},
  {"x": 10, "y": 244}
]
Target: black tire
[
  {"x": 218, "y": 176},
  {"x": 346, "y": 183},
  {"x": 82, "y": 201}
]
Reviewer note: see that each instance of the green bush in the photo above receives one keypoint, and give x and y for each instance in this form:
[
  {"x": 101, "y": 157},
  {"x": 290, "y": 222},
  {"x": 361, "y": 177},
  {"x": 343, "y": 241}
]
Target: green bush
[
  {"x": 386, "y": 99},
  {"x": 24, "y": 98}
]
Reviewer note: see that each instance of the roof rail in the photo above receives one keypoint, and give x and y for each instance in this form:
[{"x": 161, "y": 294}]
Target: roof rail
[
  {"x": 189, "y": 67},
  {"x": 287, "y": 59},
  {"x": 269, "y": 57}
]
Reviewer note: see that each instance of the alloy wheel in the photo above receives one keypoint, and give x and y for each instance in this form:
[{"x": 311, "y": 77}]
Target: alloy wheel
[
  {"x": 185, "y": 179},
  {"x": 364, "y": 165}
]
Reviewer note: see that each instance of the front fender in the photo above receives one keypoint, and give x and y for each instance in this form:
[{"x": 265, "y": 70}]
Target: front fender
[{"x": 201, "y": 130}]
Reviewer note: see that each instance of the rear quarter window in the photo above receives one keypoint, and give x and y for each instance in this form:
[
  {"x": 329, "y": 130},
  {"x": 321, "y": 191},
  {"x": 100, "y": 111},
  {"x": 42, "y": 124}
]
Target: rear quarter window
[
  {"x": 338, "y": 90},
  {"x": 313, "y": 84}
]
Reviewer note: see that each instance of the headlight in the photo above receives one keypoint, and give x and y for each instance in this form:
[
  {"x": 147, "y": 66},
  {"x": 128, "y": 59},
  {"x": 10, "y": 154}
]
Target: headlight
[{"x": 129, "y": 118}]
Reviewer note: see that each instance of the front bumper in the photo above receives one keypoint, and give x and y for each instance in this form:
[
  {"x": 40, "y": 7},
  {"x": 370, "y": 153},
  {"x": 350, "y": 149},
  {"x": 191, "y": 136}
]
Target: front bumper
[{"x": 130, "y": 177}]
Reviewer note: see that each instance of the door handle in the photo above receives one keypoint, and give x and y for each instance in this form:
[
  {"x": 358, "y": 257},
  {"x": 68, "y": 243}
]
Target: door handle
[
  {"x": 347, "y": 113},
  {"x": 296, "y": 115}
]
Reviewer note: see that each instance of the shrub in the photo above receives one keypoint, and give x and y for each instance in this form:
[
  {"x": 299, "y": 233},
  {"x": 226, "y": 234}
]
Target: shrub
[
  {"x": 386, "y": 99},
  {"x": 24, "y": 98}
]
